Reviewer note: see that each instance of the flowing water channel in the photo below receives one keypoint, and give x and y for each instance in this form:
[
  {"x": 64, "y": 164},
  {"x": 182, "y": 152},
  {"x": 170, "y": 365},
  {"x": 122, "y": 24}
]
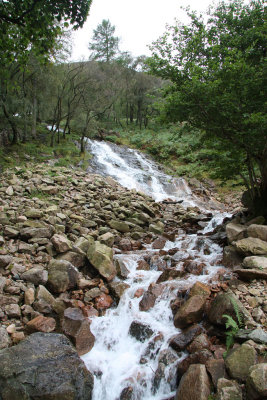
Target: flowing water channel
[{"x": 125, "y": 368}]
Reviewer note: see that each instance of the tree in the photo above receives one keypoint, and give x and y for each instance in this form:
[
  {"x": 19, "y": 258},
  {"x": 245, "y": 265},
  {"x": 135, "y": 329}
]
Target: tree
[
  {"x": 28, "y": 24},
  {"x": 104, "y": 44},
  {"x": 219, "y": 79}
]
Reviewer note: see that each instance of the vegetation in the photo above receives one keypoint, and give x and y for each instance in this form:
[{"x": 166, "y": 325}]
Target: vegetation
[{"x": 104, "y": 44}]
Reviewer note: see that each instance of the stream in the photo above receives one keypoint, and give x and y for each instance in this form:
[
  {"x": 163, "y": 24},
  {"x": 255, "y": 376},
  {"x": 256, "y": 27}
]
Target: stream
[{"x": 125, "y": 368}]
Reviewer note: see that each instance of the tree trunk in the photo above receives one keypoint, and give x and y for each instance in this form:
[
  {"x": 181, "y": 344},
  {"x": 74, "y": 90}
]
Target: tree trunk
[
  {"x": 15, "y": 137},
  {"x": 34, "y": 113}
]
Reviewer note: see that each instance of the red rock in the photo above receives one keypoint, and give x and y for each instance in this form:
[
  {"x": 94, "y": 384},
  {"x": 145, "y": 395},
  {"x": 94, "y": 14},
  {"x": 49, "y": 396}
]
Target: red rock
[
  {"x": 159, "y": 243},
  {"x": 139, "y": 293},
  {"x": 103, "y": 302},
  {"x": 90, "y": 311},
  {"x": 42, "y": 324},
  {"x": 190, "y": 312},
  {"x": 143, "y": 265},
  {"x": 125, "y": 244}
]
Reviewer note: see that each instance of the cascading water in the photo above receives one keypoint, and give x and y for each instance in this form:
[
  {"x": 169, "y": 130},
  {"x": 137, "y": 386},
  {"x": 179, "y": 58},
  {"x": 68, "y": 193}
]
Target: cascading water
[{"x": 126, "y": 367}]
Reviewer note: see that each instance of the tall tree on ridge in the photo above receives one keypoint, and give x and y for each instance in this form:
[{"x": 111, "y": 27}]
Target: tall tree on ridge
[{"x": 104, "y": 44}]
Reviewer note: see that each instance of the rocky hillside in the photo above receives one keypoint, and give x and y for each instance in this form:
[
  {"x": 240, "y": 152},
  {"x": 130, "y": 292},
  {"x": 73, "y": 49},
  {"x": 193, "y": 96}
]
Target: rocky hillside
[{"x": 60, "y": 229}]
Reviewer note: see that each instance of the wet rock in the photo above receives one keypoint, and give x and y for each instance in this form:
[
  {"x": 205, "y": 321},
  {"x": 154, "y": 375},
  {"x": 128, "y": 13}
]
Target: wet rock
[
  {"x": 148, "y": 301},
  {"x": 216, "y": 369},
  {"x": 121, "y": 268},
  {"x": 225, "y": 303},
  {"x": 251, "y": 246},
  {"x": 170, "y": 274},
  {"x": 166, "y": 358},
  {"x": 228, "y": 390},
  {"x": 101, "y": 257},
  {"x": 4, "y": 338},
  {"x": 159, "y": 243},
  {"x": 256, "y": 384},
  {"x": 41, "y": 356},
  {"x": 103, "y": 302},
  {"x": 195, "y": 384},
  {"x": 239, "y": 360},
  {"x": 77, "y": 327},
  {"x": 62, "y": 276},
  {"x": 143, "y": 266},
  {"x": 127, "y": 394},
  {"x": 42, "y": 324},
  {"x": 118, "y": 288},
  {"x": 235, "y": 231},
  {"x": 36, "y": 275},
  {"x": 199, "y": 343},
  {"x": 190, "y": 312},
  {"x": 180, "y": 341},
  {"x": 140, "y": 331}
]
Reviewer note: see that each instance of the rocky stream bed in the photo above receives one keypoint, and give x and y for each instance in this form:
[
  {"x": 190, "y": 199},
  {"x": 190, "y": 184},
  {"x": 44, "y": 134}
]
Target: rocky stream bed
[{"x": 77, "y": 248}]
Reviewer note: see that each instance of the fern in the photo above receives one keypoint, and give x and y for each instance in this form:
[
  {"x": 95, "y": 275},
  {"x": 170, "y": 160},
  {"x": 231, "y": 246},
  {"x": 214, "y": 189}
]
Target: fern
[
  {"x": 238, "y": 314},
  {"x": 232, "y": 326}
]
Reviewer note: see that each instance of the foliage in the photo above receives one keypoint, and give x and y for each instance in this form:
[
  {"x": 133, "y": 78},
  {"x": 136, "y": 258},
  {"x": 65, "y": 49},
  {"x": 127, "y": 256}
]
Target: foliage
[
  {"x": 218, "y": 74},
  {"x": 34, "y": 24},
  {"x": 104, "y": 44},
  {"x": 232, "y": 325}
]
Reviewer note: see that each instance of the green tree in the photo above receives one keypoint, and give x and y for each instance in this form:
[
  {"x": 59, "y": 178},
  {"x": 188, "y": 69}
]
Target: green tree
[
  {"x": 28, "y": 24},
  {"x": 218, "y": 71},
  {"x": 104, "y": 44}
]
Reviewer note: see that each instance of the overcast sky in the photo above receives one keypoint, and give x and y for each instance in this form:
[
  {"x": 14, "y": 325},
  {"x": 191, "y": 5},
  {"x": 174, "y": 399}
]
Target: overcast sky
[{"x": 137, "y": 22}]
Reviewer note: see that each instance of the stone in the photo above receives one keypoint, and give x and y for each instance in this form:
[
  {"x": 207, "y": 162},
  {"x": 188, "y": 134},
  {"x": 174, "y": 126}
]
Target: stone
[
  {"x": 62, "y": 275},
  {"x": 224, "y": 304},
  {"x": 76, "y": 326},
  {"x": 28, "y": 233},
  {"x": 231, "y": 257},
  {"x": 199, "y": 343},
  {"x": 179, "y": 342},
  {"x": 5, "y": 260},
  {"x": 91, "y": 294},
  {"x": 118, "y": 288},
  {"x": 76, "y": 259},
  {"x": 195, "y": 384},
  {"x": 200, "y": 289},
  {"x": 190, "y": 312},
  {"x": 143, "y": 266},
  {"x": 83, "y": 243},
  {"x": 159, "y": 243},
  {"x": 103, "y": 302},
  {"x": 216, "y": 369},
  {"x": 10, "y": 232},
  {"x": 44, "y": 366},
  {"x": 256, "y": 383},
  {"x": 250, "y": 274},
  {"x": 158, "y": 228},
  {"x": 17, "y": 337},
  {"x": 257, "y": 335},
  {"x": 41, "y": 324},
  {"x": 34, "y": 213},
  {"x": 199, "y": 357},
  {"x": 255, "y": 262},
  {"x": 122, "y": 270},
  {"x": 36, "y": 275},
  {"x": 148, "y": 301},
  {"x": 125, "y": 244},
  {"x": 10, "y": 191},
  {"x": 235, "y": 231},
  {"x": 170, "y": 274},
  {"x": 107, "y": 239},
  {"x": 140, "y": 331},
  {"x": 61, "y": 243},
  {"x": 29, "y": 296},
  {"x": 13, "y": 310},
  {"x": 101, "y": 257},
  {"x": 257, "y": 231},
  {"x": 4, "y": 338},
  {"x": 228, "y": 390},
  {"x": 239, "y": 360},
  {"x": 120, "y": 226},
  {"x": 251, "y": 246},
  {"x": 2, "y": 283}
]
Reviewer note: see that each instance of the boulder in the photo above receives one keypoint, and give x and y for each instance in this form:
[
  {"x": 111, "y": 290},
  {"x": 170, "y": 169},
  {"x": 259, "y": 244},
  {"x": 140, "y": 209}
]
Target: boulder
[
  {"x": 101, "y": 257},
  {"x": 41, "y": 324},
  {"x": 120, "y": 226},
  {"x": 61, "y": 243},
  {"x": 122, "y": 270},
  {"x": 199, "y": 357},
  {"x": 118, "y": 288},
  {"x": 255, "y": 262},
  {"x": 76, "y": 326},
  {"x": 216, "y": 369},
  {"x": 231, "y": 257},
  {"x": 107, "y": 239},
  {"x": 44, "y": 366},
  {"x": 103, "y": 302},
  {"x": 225, "y": 303},
  {"x": 199, "y": 343},
  {"x": 257, "y": 335},
  {"x": 140, "y": 331},
  {"x": 190, "y": 312},
  {"x": 36, "y": 275},
  {"x": 5, "y": 260},
  {"x": 228, "y": 390},
  {"x": 195, "y": 384},
  {"x": 251, "y": 246},
  {"x": 76, "y": 259},
  {"x": 256, "y": 384},
  {"x": 235, "y": 231},
  {"x": 4, "y": 338},
  {"x": 200, "y": 289},
  {"x": 62, "y": 275},
  {"x": 239, "y": 360},
  {"x": 257, "y": 231},
  {"x": 180, "y": 341},
  {"x": 28, "y": 233},
  {"x": 250, "y": 274}
]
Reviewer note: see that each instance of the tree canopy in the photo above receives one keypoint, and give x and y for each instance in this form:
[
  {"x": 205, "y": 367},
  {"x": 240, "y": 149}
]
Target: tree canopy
[
  {"x": 28, "y": 24},
  {"x": 217, "y": 67},
  {"x": 104, "y": 44}
]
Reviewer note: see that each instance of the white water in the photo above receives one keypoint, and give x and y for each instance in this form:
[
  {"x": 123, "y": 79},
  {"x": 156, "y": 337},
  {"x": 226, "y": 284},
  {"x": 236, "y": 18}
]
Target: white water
[{"x": 116, "y": 355}]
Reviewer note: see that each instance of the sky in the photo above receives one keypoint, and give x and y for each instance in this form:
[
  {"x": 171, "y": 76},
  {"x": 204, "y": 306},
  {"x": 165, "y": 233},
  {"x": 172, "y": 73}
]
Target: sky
[{"x": 138, "y": 22}]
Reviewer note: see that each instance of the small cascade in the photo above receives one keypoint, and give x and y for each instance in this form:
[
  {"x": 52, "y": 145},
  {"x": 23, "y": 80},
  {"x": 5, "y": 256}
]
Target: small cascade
[{"x": 128, "y": 364}]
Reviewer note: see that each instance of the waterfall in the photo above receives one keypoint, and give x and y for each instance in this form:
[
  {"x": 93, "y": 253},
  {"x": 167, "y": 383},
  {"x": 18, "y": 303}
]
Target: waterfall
[{"x": 126, "y": 367}]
